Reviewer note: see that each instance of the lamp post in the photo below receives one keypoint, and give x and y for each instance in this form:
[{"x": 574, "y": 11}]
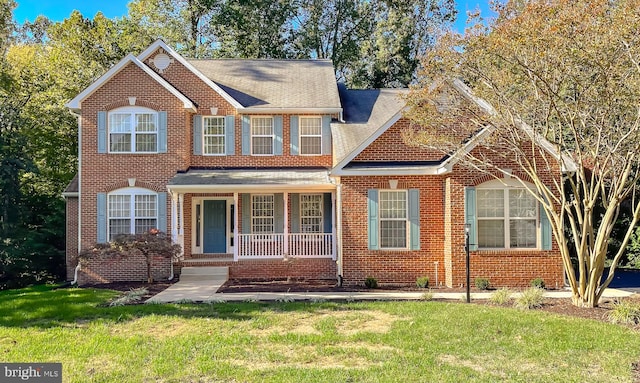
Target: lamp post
[{"x": 467, "y": 227}]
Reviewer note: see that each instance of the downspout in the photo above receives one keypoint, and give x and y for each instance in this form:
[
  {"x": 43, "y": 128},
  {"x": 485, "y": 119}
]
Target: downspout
[
  {"x": 75, "y": 275},
  {"x": 339, "y": 231},
  {"x": 172, "y": 274}
]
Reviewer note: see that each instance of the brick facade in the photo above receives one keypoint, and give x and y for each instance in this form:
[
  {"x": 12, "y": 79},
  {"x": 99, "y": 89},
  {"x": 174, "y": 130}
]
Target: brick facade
[{"x": 441, "y": 197}]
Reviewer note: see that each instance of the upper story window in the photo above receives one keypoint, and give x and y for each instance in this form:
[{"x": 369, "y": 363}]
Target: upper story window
[
  {"x": 262, "y": 135},
  {"x": 131, "y": 211},
  {"x": 310, "y": 135},
  {"x": 213, "y": 130},
  {"x": 507, "y": 216},
  {"x": 133, "y": 130}
]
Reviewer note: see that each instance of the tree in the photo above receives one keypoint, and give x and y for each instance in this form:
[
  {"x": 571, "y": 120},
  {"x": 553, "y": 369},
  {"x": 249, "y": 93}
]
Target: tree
[
  {"x": 151, "y": 244},
  {"x": 567, "y": 71},
  {"x": 402, "y": 32}
]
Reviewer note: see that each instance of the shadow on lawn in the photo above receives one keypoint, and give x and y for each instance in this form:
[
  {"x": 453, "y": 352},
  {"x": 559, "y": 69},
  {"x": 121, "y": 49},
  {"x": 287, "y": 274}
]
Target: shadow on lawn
[{"x": 47, "y": 306}]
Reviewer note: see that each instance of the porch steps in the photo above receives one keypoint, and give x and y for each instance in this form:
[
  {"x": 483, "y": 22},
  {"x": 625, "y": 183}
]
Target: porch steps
[
  {"x": 202, "y": 262},
  {"x": 195, "y": 284}
]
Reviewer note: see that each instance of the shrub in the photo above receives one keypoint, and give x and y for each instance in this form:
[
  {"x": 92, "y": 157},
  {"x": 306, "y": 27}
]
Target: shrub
[
  {"x": 371, "y": 283},
  {"x": 625, "y": 311},
  {"x": 428, "y": 296},
  {"x": 482, "y": 283},
  {"x": 422, "y": 282},
  {"x": 531, "y": 298},
  {"x": 129, "y": 297},
  {"x": 538, "y": 282},
  {"x": 501, "y": 296}
]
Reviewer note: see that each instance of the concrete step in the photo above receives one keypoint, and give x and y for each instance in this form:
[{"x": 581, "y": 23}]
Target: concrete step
[{"x": 205, "y": 271}]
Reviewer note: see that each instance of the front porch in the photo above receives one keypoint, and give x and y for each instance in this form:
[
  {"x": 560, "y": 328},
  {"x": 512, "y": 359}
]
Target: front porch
[{"x": 233, "y": 216}]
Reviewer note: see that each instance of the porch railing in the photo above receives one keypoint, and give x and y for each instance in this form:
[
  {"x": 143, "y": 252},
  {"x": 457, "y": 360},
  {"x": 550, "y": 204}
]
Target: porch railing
[{"x": 300, "y": 245}]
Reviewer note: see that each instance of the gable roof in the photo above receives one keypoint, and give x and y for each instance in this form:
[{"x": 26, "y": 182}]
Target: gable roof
[
  {"x": 159, "y": 44},
  {"x": 267, "y": 86},
  {"x": 76, "y": 104},
  {"x": 367, "y": 114}
]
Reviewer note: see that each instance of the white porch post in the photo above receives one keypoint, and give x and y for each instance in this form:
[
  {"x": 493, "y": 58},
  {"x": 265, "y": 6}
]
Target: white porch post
[
  {"x": 181, "y": 221},
  {"x": 333, "y": 226},
  {"x": 174, "y": 217},
  {"x": 286, "y": 225},
  {"x": 236, "y": 238}
]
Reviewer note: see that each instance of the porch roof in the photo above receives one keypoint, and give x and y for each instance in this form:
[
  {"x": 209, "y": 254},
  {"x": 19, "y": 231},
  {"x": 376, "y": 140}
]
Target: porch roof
[{"x": 263, "y": 180}]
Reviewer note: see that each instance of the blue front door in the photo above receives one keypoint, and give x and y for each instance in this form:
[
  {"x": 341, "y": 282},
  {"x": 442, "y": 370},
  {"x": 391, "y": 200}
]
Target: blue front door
[{"x": 215, "y": 226}]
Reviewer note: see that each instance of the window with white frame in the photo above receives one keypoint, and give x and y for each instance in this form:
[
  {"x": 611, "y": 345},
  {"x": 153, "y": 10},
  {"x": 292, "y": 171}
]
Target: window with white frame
[
  {"x": 132, "y": 211},
  {"x": 262, "y": 214},
  {"x": 133, "y": 130},
  {"x": 507, "y": 217},
  {"x": 262, "y": 135},
  {"x": 393, "y": 210},
  {"x": 311, "y": 213},
  {"x": 310, "y": 135},
  {"x": 213, "y": 135}
]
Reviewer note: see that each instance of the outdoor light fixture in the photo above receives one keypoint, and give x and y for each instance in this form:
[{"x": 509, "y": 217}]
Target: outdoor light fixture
[{"x": 467, "y": 228}]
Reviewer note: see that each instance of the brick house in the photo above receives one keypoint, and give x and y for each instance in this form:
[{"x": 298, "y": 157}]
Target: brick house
[{"x": 271, "y": 168}]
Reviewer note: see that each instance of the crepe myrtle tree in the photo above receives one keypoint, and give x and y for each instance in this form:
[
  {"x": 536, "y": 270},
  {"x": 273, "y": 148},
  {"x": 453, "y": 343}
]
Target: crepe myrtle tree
[
  {"x": 151, "y": 244},
  {"x": 554, "y": 87}
]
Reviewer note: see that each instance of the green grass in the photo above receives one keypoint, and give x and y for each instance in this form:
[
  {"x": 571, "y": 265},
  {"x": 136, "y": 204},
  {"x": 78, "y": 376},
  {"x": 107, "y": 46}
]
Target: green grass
[{"x": 307, "y": 342}]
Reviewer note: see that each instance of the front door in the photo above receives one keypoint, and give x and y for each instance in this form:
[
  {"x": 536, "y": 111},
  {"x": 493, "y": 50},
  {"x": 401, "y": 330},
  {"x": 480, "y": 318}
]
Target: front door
[{"x": 215, "y": 226}]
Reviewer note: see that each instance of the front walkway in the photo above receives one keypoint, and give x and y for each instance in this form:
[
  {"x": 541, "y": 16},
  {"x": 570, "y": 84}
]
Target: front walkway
[{"x": 201, "y": 291}]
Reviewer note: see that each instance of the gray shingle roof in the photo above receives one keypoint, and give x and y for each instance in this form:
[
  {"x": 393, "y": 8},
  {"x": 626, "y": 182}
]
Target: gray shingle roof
[
  {"x": 365, "y": 111},
  {"x": 274, "y": 83},
  {"x": 266, "y": 177}
]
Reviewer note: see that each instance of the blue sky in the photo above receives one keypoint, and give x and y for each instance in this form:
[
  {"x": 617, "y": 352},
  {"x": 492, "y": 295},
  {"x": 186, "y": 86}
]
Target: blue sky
[{"x": 58, "y": 10}]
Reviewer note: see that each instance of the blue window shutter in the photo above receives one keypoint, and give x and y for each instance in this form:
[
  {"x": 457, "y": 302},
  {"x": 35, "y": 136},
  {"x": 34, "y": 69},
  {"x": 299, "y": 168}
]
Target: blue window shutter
[
  {"x": 295, "y": 212},
  {"x": 278, "y": 207},
  {"x": 162, "y": 132},
  {"x": 246, "y": 213},
  {"x": 230, "y": 135},
  {"x": 197, "y": 134},
  {"x": 470, "y": 216},
  {"x": 102, "y": 132},
  {"x": 326, "y": 134},
  {"x": 373, "y": 218},
  {"x": 277, "y": 131},
  {"x": 326, "y": 214},
  {"x": 101, "y": 209},
  {"x": 414, "y": 219},
  {"x": 162, "y": 212},
  {"x": 545, "y": 229},
  {"x": 246, "y": 135},
  {"x": 295, "y": 139}
]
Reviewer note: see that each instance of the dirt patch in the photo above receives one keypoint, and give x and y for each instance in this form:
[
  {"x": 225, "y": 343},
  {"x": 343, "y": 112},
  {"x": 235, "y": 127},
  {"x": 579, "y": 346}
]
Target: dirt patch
[{"x": 152, "y": 288}]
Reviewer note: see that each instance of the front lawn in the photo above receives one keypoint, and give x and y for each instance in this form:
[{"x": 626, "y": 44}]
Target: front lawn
[{"x": 307, "y": 342}]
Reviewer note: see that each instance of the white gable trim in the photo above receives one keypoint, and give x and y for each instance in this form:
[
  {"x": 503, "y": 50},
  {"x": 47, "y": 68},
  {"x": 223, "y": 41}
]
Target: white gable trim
[
  {"x": 345, "y": 161},
  {"x": 161, "y": 44},
  {"x": 76, "y": 104}
]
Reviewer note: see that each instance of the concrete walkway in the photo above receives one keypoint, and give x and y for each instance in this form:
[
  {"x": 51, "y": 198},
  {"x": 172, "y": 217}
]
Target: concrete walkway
[
  {"x": 197, "y": 284},
  {"x": 200, "y": 290}
]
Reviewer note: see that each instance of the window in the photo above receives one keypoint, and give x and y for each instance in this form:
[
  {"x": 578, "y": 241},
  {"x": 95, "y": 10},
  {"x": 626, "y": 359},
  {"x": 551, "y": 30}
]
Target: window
[
  {"x": 507, "y": 218},
  {"x": 133, "y": 130},
  {"x": 213, "y": 134},
  {"x": 132, "y": 211},
  {"x": 311, "y": 213},
  {"x": 262, "y": 135},
  {"x": 393, "y": 219},
  {"x": 262, "y": 214},
  {"x": 310, "y": 135}
]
